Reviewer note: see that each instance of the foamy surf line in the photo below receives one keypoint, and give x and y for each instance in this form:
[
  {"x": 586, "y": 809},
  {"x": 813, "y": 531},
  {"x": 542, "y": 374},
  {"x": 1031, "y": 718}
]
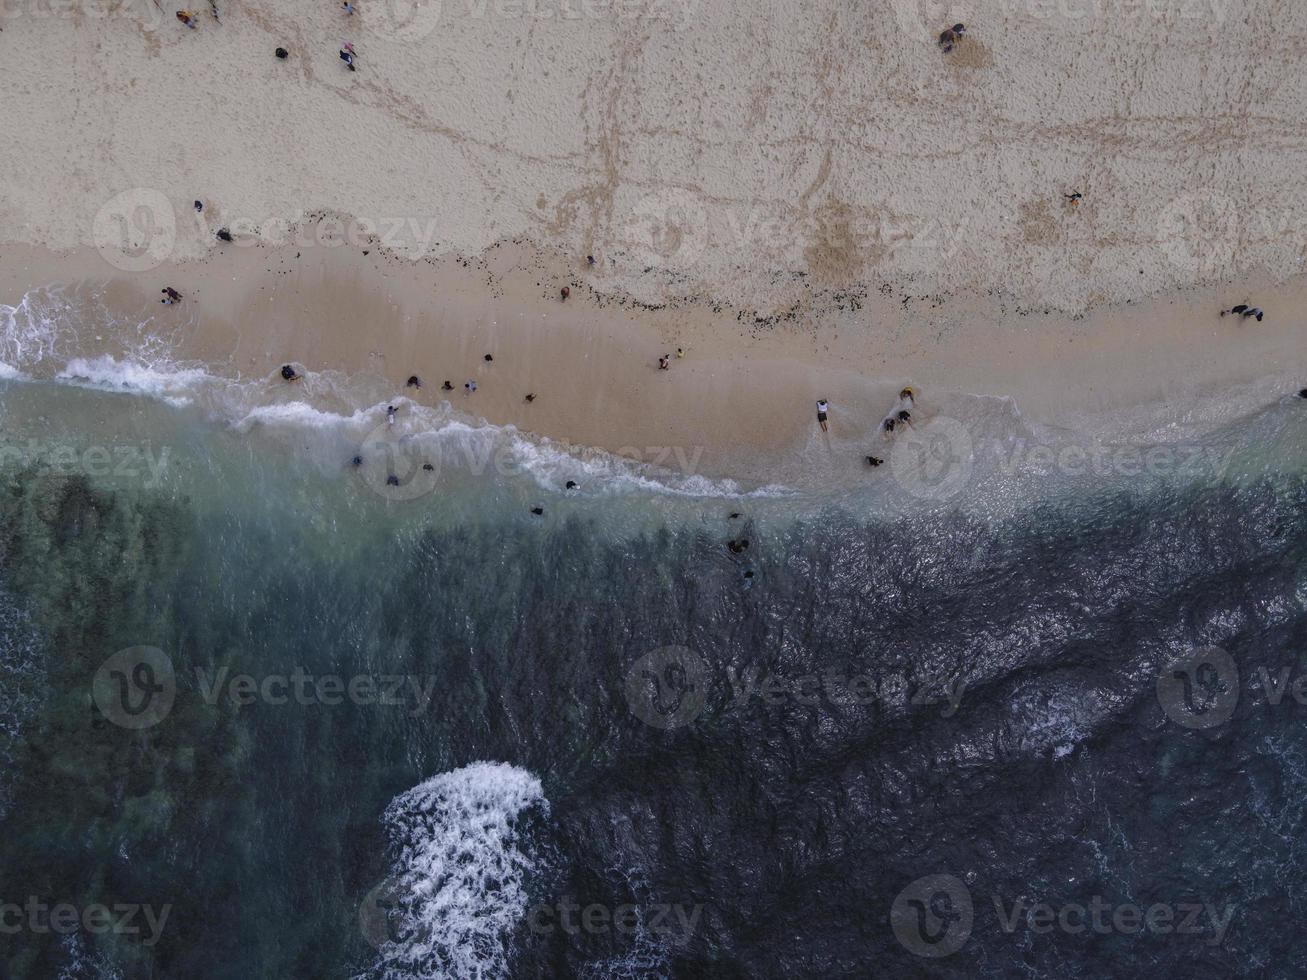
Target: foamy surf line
[
  {"x": 449, "y": 438},
  {"x": 172, "y": 384},
  {"x": 463, "y": 857}
]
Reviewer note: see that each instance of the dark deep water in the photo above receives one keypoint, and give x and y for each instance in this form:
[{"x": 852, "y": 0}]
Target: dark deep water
[{"x": 586, "y": 745}]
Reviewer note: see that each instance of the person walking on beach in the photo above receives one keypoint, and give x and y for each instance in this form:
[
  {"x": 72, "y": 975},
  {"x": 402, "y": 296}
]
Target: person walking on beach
[
  {"x": 171, "y": 296},
  {"x": 187, "y": 18},
  {"x": 663, "y": 362},
  {"x": 390, "y": 414},
  {"x": 347, "y": 55},
  {"x": 470, "y": 387},
  {"x": 823, "y": 412},
  {"x": 951, "y": 36},
  {"x": 347, "y": 7}
]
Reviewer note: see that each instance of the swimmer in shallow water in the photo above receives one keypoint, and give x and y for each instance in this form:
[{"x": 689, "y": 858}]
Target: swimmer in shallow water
[{"x": 288, "y": 373}]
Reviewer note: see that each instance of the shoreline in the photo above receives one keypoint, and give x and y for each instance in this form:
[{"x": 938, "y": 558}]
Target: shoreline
[{"x": 743, "y": 395}]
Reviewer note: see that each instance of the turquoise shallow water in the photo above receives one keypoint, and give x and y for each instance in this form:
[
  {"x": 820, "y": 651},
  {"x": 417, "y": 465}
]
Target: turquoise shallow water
[{"x": 354, "y": 730}]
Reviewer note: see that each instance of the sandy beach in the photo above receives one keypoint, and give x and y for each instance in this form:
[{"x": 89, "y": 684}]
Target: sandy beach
[{"x": 811, "y": 202}]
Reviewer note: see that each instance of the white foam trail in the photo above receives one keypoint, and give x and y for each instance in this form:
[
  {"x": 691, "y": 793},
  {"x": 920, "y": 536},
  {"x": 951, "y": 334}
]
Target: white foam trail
[
  {"x": 10, "y": 373},
  {"x": 300, "y": 413},
  {"x": 459, "y": 880},
  {"x": 175, "y": 385}
]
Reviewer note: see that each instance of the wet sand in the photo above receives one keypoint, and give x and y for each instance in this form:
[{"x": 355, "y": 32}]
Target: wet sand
[{"x": 745, "y": 391}]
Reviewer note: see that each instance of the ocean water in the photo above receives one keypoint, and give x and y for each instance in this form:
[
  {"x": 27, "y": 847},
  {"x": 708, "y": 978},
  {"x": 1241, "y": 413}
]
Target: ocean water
[{"x": 1020, "y": 702}]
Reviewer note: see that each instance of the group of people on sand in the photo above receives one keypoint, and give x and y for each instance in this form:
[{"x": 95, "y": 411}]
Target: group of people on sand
[
  {"x": 1244, "y": 311},
  {"x": 899, "y": 417},
  {"x": 665, "y": 361},
  {"x": 347, "y": 53}
]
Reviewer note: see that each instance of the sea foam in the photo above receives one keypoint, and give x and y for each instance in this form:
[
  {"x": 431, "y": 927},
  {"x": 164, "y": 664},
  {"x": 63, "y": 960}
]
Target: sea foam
[{"x": 462, "y": 858}]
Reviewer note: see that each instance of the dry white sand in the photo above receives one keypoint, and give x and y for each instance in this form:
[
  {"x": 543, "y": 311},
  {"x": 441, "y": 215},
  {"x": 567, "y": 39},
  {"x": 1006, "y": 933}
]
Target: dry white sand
[{"x": 738, "y": 147}]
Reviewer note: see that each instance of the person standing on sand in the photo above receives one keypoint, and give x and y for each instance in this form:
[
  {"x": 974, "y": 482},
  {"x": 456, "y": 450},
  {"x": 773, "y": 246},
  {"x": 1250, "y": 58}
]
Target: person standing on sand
[
  {"x": 347, "y": 55},
  {"x": 347, "y": 7},
  {"x": 823, "y": 412},
  {"x": 663, "y": 362}
]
